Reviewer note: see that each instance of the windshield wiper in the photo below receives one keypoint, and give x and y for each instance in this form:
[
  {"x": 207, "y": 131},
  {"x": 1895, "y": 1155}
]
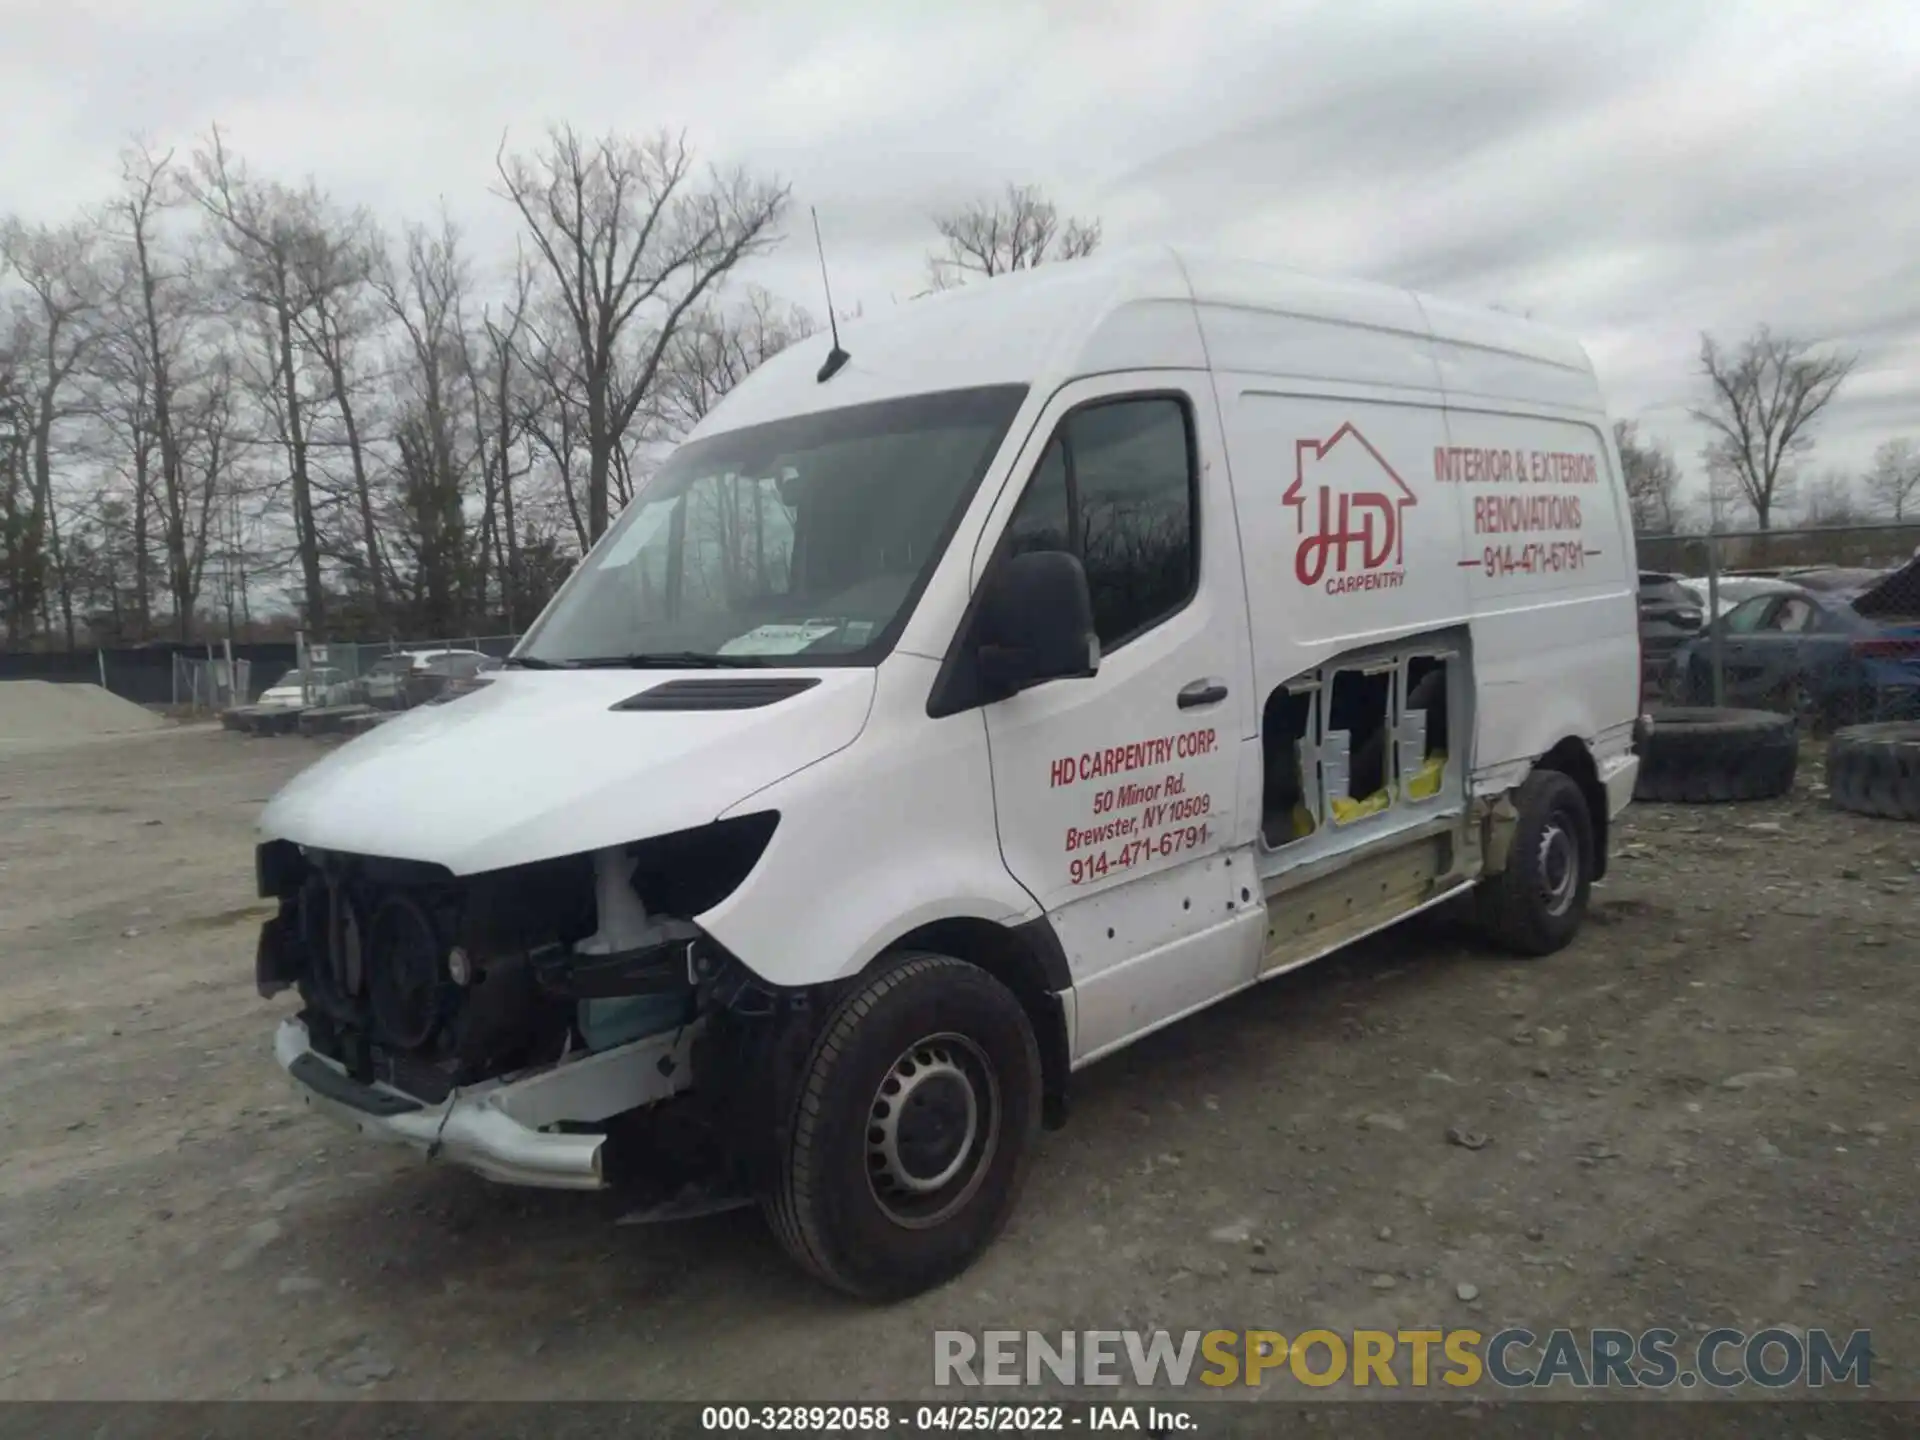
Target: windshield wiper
[
  {"x": 666, "y": 660},
  {"x": 529, "y": 662}
]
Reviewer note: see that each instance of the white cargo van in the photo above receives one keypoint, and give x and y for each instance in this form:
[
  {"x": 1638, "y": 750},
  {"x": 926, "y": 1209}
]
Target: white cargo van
[{"x": 1091, "y": 644}]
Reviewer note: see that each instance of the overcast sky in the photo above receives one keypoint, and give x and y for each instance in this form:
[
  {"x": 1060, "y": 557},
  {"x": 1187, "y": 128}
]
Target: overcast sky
[{"x": 1633, "y": 170}]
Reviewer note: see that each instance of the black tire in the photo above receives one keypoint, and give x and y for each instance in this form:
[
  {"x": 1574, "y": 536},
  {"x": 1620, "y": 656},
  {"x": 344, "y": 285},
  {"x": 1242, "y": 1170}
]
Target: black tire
[
  {"x": 1875, "y": 769},
  {"x": 843, "y": 1203},
  {"x": 1694, "y": 755},
  {"x": 1536, "y": 904}
]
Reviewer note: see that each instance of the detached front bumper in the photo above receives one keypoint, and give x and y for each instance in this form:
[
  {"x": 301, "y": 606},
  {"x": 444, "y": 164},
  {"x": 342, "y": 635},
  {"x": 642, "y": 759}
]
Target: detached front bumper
[{"x": 500, "y": 1130}]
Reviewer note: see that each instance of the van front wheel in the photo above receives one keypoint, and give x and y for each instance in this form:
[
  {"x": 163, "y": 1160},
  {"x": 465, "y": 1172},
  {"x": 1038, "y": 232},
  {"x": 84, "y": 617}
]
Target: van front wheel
[
  {"x": 1535, "y": 905},
  {"x": 915, "y": 1121}
]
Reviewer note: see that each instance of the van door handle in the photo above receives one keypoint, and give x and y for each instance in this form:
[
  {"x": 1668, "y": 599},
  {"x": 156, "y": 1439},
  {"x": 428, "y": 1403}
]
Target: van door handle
[{"x": 1201, "y": 692}]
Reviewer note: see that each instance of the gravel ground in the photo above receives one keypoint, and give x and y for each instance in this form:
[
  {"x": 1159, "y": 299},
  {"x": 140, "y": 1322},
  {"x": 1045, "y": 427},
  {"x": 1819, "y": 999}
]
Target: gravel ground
[{"x": 1702, "y": 1113}]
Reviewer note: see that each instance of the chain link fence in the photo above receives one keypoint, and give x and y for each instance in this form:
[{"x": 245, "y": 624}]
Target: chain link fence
[
  {"x": 207, "y": 685},
  {"x": 1822, "y": 624}
]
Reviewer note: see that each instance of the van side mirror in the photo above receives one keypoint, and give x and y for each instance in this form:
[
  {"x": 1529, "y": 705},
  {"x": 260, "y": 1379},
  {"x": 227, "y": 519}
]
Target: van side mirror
[{"x": 1035, "y": 624}]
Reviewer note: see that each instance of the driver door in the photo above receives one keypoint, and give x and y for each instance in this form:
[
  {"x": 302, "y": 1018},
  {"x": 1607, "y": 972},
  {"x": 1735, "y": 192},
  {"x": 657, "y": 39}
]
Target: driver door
[{"x": 1117, "y": 796}]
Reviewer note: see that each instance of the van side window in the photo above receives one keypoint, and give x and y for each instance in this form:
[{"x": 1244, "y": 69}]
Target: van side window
[
  {"x": 1116, "y": 487},
  {"x": 1043, "y": 520}
]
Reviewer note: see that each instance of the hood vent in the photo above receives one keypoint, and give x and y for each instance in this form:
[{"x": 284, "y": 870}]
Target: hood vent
[{"x": 731, "y": 693}]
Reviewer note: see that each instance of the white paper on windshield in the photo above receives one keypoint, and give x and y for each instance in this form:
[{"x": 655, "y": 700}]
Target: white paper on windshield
[
  {"x": 787, "y": 639},
  {"x": 645, "y": 526}
]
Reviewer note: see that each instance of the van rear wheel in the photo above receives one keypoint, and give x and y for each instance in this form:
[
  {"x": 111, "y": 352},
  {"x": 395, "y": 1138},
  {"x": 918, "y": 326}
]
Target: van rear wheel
[
  {"x": 913, "y": 1129},
  {"x": 1535, "y": 905}
]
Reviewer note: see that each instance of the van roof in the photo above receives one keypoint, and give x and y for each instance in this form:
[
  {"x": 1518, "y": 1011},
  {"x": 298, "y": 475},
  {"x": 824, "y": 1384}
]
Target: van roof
[{"x": 1169, "y": 307}]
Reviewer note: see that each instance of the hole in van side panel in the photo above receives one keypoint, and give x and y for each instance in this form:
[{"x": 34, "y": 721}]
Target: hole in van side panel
[
  {"x": 1290, "y": 742},
  {"x": 1357, "y": 754},
  {"x": 1423, "y": 728},
  {"x": 1384, "y": 746}
]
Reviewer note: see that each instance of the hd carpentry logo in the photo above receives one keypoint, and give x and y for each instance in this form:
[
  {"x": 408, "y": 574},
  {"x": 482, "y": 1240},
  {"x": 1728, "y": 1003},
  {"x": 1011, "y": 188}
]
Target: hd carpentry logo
[
  {"x": 1357, "y": 510},
  {"x": 1514, "y": 1359}
]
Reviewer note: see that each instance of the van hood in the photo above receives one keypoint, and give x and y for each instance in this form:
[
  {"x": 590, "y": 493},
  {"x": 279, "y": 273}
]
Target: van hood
[{"x": 536, "y": 765}]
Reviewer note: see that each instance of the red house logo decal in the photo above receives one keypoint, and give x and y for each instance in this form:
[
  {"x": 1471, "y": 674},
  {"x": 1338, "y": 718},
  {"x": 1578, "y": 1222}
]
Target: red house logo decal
[{"x": 1357, "y": 516}]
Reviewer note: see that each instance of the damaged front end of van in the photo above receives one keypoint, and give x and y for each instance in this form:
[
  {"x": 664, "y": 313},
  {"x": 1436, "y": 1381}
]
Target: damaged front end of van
[
  {"x": 527, "y": 1023},
  {"x": 489, "y": 911}
]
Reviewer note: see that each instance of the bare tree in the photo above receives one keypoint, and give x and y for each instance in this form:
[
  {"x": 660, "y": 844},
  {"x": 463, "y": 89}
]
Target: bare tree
[
  {"x": 65, "y": 294},
  {"x": 632, "y": 242},
  {"x": 1831, "y": 500},
  {"x": 1893, "y": 483},
  {"x": 1652, "y": 480},
  {"x": 1017, "y": 231},
  {"x": 206, "y": 430},
  {"x": 152, "y": 335},
  {"x": 21, "y": 570},
  {"x": 500, "y": 413},
  {"x": 170, "y": 376},
  {"x": 269, "y": 234},
  {"x": 425, "y": 299},
  {"x": 556, "y": 413},
  {"x": 718, "y": 348},
  {"x": 1763, "y": 401},
  {"x": 218, "y": 387},
  {"x": 127, "y": 451},
  {"x": 336, "y": 317}
]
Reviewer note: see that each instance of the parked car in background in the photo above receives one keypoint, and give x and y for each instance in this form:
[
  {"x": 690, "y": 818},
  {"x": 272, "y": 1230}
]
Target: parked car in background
[
  {"x": 384, "y": 684},
  {"x": 434, "y": 670},
  {"x": 459, "y": 685},
  {"x": 1811, "y": 653},
  {"x": 1834, "y": 579},
  {"x": 1733, "y": 589},
  {"x": 300, "y": 689},
  {"x": 1669, "y": 617}
]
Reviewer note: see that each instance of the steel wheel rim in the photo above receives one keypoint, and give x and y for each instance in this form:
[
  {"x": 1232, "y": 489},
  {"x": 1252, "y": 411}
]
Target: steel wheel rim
[
  {"x": 1559, "y": 864},
  {"x": 933, "y": 1128}
]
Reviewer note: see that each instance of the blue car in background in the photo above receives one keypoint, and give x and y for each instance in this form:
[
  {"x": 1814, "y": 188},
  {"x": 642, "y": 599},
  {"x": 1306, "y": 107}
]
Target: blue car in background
[{"x": 1830, "y": 656}]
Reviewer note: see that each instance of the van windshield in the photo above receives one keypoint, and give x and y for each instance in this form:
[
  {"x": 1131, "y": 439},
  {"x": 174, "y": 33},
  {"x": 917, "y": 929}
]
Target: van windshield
[{"x": 803, "y": 541}]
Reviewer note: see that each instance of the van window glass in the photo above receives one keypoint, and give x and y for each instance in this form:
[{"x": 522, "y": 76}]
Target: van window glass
[
  {"x": 1115, "y": 487},
  {"x": 1133, "y": 488},
  {"x": 1042, "y": 519},
  {"x": 803, "y": 541}
]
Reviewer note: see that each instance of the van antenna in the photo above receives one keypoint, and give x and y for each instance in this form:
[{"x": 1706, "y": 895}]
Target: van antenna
[{"x": 836, "y": 357}]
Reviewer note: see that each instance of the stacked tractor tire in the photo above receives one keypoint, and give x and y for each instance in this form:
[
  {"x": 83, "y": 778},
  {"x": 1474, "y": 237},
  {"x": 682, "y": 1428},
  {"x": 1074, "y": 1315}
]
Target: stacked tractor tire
[
  {"x": 1697, "y": 755},
  {"x": 1875, "y": 770}
]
